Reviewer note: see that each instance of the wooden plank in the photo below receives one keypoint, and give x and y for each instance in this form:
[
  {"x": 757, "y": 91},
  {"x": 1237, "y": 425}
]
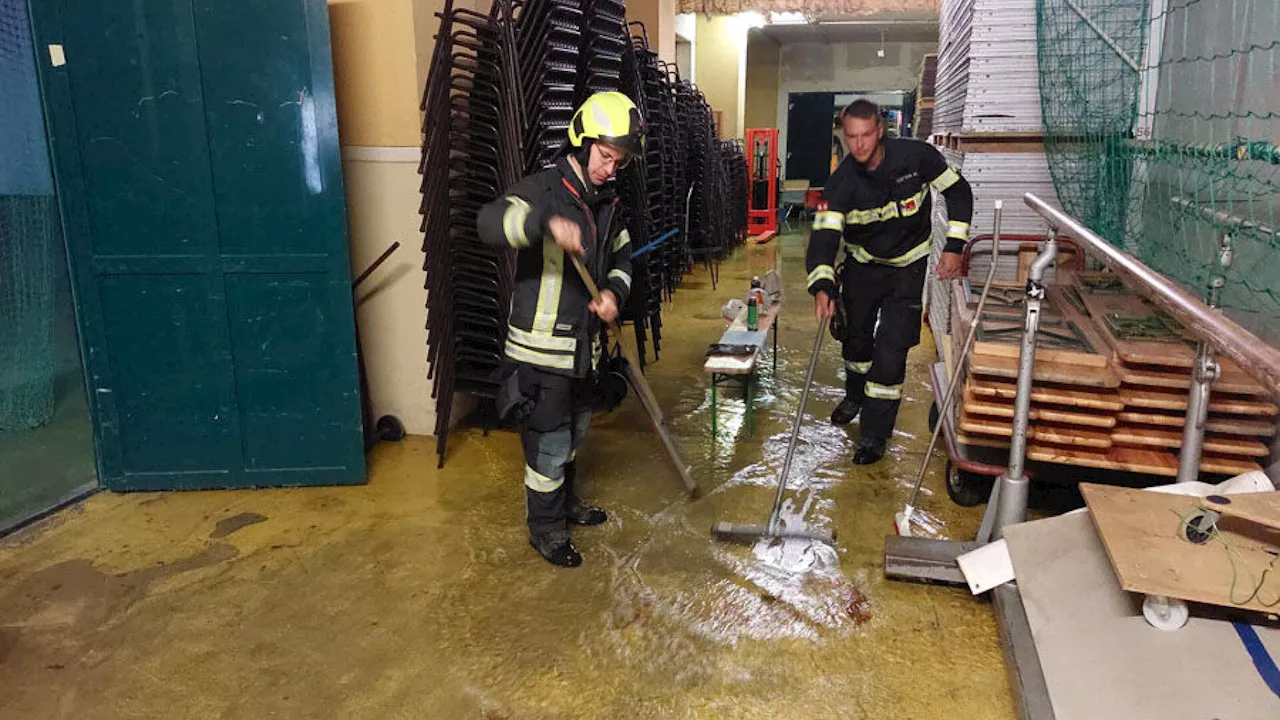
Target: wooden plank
[
  {"x": 1149, "y": 437},
  {"x": 1224, "y": 424},
  {"x": 1228, "y": 382},
  {"x": 1041, "y": 432},
  {"x": 1222, "y": 465},
  {"x": 976, "y": 405},
  {"x": 744, "y": 364},
  {"x": 1143, "y": 352},
  {"x": 1050, "y": 372},
  {"x": 1057, "y": 295},
  {"x": 1156, "y": 399},
  {"x": 1013, "y": 350},
  {"x": 1142, "y": 532},
  {"x": 1139, "y": 460},
  {"x": 1095, "y": 399}
]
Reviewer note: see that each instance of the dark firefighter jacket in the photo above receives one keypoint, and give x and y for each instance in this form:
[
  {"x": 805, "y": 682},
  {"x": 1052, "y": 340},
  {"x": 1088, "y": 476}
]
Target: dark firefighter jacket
[
  {"x": 883, "y": 216},
  {"x": 550, "y": 325}
]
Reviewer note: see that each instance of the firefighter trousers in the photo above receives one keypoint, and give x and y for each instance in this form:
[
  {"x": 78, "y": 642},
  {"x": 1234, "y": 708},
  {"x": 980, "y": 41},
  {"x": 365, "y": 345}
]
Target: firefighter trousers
[
  {"x": 883, "y": 307},
  {"x": 551, "y": 435}
]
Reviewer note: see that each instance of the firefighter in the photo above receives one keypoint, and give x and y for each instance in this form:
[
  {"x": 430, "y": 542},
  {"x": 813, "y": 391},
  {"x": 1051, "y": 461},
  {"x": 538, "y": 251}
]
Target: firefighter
[
  {"x": 877, "y": 205},
  {"x": 554, "y": 328}
]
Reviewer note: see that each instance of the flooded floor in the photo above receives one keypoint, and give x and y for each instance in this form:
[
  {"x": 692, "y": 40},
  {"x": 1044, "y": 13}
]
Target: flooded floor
[{"x": 418, "y": 596}]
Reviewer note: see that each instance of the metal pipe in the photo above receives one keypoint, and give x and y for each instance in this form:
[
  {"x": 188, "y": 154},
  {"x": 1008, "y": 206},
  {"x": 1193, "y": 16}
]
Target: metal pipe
[
  {"x": 1227, "y": 337},
  {"x": 1219, "y": 216},
  {"x": 774, "y": 519},
  {"x": 1202, "y": 377},
  {"x": 1015, "y": 487}
]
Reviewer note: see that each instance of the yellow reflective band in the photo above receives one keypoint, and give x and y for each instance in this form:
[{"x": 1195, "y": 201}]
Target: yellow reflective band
[
  {"x": 859, "y": 253},
  {"x": 883, "y": 392},
  {"x": 957, "y": 229},
  {"x": 519, "y": 352},
  {"x": 625, "y": 278},
  {"x": 541, "y": 341},
  {"x": 513, "y": 220},
  {"x": 890, "y": 210},
  {"x": 538, "y": 482},
  {"x": 828, "y": 220},
  {"x": 822, "y": 272},
  {"x": 861, "y": 368},
  {"x": 544, "y": 315},
  {"x": 948, "y": 178},
  {"x": 621, "y": 241}
]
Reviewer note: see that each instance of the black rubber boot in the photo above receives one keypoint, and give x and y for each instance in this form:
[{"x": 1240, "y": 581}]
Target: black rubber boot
[
  {"x": 557, "y": 548},
  {"x": 846, "y": 411},
  {"x": 578, "y": 512},
  {"x": 869, "y": 452}
]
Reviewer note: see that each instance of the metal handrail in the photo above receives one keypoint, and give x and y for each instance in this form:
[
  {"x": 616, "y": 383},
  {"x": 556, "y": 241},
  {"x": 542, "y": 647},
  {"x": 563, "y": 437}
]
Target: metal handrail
[{"x": 1253, "y": 355}]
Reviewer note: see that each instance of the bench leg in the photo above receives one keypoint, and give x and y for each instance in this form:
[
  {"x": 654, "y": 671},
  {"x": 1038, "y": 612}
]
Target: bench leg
[
  {"x": 750, "y": 410},
  {"x": 775, "y": 348},
  {"x": 713, "y": 406}
]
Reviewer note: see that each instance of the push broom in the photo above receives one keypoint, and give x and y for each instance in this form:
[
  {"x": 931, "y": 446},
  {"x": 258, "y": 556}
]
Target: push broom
[
  {"x": 902, "y": 520},
  {"x": 731, "y": 532}
]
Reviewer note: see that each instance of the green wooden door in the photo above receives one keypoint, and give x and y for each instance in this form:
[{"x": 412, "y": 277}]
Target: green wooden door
[{"x": 196, "y": 154}]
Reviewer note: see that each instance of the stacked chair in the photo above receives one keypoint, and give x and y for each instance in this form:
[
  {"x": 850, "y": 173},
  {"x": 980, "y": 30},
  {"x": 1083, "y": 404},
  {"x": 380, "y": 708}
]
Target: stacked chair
[{"x": 499, "y": 97}]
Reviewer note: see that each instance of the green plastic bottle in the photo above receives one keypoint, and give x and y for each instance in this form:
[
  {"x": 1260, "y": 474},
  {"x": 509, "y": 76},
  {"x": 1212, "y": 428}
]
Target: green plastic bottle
[{"x": 753, "y": 315}]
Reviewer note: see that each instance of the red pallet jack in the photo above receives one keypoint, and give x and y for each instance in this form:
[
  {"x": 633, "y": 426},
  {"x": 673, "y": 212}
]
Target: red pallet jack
[{"x": 762, "y": 184}]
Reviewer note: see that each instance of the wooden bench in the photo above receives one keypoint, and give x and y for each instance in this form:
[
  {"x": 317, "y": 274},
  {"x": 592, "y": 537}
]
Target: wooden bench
[{"x": 741, "y": 369}]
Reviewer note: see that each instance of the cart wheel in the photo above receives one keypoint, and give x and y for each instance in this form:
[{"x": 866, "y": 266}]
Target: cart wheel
[
  {"x": 1165, "y": 613},
  {"x": 390, "y": 429},
  {"x": 934, "y": 416},
  {"x": 967, "y": 489}
]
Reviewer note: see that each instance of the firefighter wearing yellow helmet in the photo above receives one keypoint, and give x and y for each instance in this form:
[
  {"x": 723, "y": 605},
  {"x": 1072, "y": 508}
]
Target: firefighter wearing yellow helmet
[{"x": 553, "y": 330}]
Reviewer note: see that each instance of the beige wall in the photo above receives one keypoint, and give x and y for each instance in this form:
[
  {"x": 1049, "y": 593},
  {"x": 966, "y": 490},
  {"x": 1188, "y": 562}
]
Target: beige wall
[
  {"x": 378, "y": 77},
  {"x": 373, "y": 45},
  {"x": 762, "y": 79},
  {"x": 720, "y": 68}
]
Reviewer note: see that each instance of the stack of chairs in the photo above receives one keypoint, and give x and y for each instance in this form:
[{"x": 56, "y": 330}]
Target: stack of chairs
[
  {"x": 499, "y": 97},
  {"x": 549, "y": 51},
  {"x": 604, "y": 47},
  {"x": 469, "y": 155}
]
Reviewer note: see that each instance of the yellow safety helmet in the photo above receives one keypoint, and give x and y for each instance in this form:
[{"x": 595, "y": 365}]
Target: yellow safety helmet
[{"x": 611, "y": 118}]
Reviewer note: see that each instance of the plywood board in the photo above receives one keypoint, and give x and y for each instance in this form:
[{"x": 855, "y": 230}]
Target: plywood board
[
  {"x": 1142, "y": 533},
  {"x": 1050, "y": 372},
  {"x": 1161, "y": 399},
  {"x": 1150, "y": 437},
  {"x": 1093, "y": 399},
  {"x": 976, "y": 405},
  {"x": 1225, "y": 424},
  {"x": 1077, "y": 610}
]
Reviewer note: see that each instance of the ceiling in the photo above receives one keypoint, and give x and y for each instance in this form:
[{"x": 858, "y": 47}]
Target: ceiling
[{"x": 855, "y": 31}]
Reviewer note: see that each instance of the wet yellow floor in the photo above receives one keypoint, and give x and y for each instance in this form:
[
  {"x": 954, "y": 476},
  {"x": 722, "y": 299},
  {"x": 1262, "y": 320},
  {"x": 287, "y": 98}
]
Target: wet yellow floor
[{"x": 417, "y": 596}]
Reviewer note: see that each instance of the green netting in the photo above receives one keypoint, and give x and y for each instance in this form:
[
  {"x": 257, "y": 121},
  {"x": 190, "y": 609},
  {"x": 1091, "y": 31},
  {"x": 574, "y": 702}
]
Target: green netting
[
  {"x": 28, "y": 234},
  {"x": 1161, "y": 129}
]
